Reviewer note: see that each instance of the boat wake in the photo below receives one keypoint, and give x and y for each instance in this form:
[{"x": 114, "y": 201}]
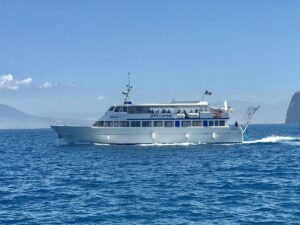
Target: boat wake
[
  {"x": 169, "y": 144},
  {"x": 276, "y": 139},
  {"x": 266, "y": 140},
  {"x": 270, "y": 139},
  {"x": 101, "y": 144}
]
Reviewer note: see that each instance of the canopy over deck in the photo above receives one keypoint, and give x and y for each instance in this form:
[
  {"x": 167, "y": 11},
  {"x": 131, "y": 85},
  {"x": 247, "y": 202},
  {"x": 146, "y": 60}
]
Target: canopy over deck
[{"x": 172, "y": 105}]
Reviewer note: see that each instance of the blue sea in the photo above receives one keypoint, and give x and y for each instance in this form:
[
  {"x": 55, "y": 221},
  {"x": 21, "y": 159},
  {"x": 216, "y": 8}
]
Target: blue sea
[{"x": 45, "y": 181}]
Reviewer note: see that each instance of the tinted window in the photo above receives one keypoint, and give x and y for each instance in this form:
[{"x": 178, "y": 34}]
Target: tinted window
[
  {"x": 135, "y": 123},
  {"x": 169, "y": 123},
  {"x": 138, "y": 109},
  {"x": 216, "y": 123},
  {"x": 186, "y": 123},
  {"x": 158, "y": 123},
  {"x": 222, "y": 123},
  {"x": 120, "y": 109},
  {"x": 205, "y": 123},
  {"x": 111, "y": 108},
  {"x": 211, "y": 123},
  {"x": 197, "y": 123},
  {"x": 146, "y": 124},
  {"x": 108, "y": 123},
  {"x": 124, "y": 123}
]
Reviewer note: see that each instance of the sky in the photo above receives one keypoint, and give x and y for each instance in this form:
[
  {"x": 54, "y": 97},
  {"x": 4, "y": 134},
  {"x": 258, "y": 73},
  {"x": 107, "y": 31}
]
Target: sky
[{"x": 70, "y": 58}]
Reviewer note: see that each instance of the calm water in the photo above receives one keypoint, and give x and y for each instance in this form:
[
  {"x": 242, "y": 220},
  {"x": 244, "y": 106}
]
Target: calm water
[{"x": 43, "y": 181}]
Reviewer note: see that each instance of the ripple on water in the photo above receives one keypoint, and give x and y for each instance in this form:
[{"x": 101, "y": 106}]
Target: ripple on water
[{"x": 46, "y": 182}]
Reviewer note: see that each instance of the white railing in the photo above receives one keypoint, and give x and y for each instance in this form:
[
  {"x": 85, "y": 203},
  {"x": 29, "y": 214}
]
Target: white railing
[{"x": 67, "y": 123}]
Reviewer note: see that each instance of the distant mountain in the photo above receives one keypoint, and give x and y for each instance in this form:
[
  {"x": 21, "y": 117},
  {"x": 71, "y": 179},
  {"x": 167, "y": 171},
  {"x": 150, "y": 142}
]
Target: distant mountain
[
  {"x": 293, "y": 112},
  {"x": 11, "y": 118}
]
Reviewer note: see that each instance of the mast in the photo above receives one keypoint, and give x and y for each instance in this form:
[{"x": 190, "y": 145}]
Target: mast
[{"x": 126, "y": 93}]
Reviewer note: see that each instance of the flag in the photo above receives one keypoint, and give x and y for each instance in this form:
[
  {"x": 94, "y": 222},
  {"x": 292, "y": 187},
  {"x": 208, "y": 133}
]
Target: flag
[{"x": 208, "y": 92}]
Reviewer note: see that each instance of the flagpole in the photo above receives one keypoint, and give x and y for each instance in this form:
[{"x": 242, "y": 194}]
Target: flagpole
[
  {"x": 205, "y": 93},
  {"x": 203, "y": 97}
]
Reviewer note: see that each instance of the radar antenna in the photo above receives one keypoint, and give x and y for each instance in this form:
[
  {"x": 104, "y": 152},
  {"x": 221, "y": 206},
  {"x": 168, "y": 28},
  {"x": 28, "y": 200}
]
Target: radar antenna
[
  {"x": 248, "y": 117},
  {"x": 126, "y": 93}
]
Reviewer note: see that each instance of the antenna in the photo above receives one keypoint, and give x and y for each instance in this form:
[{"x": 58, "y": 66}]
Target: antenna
[
  {"x": 127, "y": 98},
  {"x": 129, "y": 80}
]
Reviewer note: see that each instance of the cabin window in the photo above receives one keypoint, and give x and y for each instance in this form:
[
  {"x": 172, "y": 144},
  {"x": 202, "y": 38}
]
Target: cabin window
[
  {"x": 135, "y": 124},
  {"x": 131, "y": 110},
  {"x": 169, "y": 123},
  {"x": 121, "y": 109},
  {"x": 138, "y": 109},
  {"x": 124, "y": 123},
  {"x": 111, "y": 108},
  {"x": 216, "y": 123},
  {"x": 109, "y": 124},
  {"x": 101, "y": 124},
  {"x": 186, "y": 123},
  {"x": 211, "y": 123},
  {"x": 116, "y": 123},
  {"x": 177, "y": 123},
  {"x": 158, "y": 123},
  {"x": 205, "y": 123},
  {"x": 222, "y": 123},
  {"x": 197, "y": 123},
  {"x": 146, "y": 124}
]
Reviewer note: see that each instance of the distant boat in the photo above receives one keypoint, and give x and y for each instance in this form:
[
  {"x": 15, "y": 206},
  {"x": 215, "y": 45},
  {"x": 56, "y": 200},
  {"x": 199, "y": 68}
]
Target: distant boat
[{"x": 175, "y": 122}]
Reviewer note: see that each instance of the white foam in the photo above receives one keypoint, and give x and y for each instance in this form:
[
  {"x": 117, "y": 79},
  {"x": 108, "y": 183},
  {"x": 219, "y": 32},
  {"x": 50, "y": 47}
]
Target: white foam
[
  {"x": 170, "y": 144},
  {"x": 100, "y": 144},
  {"x": 226, "y": 144},
  {"x": 273, "y": 139}
]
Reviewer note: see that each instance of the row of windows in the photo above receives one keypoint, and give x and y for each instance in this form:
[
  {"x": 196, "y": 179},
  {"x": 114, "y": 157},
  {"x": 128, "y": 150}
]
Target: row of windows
[
  {"x": 148, "y": 109},
  {"x": 204, "y": 123}
]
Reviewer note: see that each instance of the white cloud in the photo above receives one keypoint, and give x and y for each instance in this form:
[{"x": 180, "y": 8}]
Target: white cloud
[
  {"x": 7, "y": 81},
  {"x": 250, "y": 96},
  {"x": 100, "y": 98},
  {"x": 47, "y": 85},
  {"x": 24, "y": 82}
]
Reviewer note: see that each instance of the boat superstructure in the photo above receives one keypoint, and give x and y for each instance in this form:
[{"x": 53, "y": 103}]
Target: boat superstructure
[{"x": 174, "y": 122}]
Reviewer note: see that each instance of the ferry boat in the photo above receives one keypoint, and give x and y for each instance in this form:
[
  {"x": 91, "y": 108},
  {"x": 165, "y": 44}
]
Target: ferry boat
[{"x": 169, "y": 123}]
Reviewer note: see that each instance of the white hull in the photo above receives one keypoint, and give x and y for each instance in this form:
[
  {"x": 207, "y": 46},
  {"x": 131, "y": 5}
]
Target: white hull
[{"x": 143, "y": 135}]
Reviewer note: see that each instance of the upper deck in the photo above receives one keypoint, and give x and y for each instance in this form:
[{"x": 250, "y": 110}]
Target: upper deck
[
  {"x": 173, "y": 110},
  {"x": 198, "y": 112}
]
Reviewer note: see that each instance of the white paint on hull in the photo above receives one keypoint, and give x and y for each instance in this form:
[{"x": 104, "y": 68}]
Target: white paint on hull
[{"x": 142, "y": 135}]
